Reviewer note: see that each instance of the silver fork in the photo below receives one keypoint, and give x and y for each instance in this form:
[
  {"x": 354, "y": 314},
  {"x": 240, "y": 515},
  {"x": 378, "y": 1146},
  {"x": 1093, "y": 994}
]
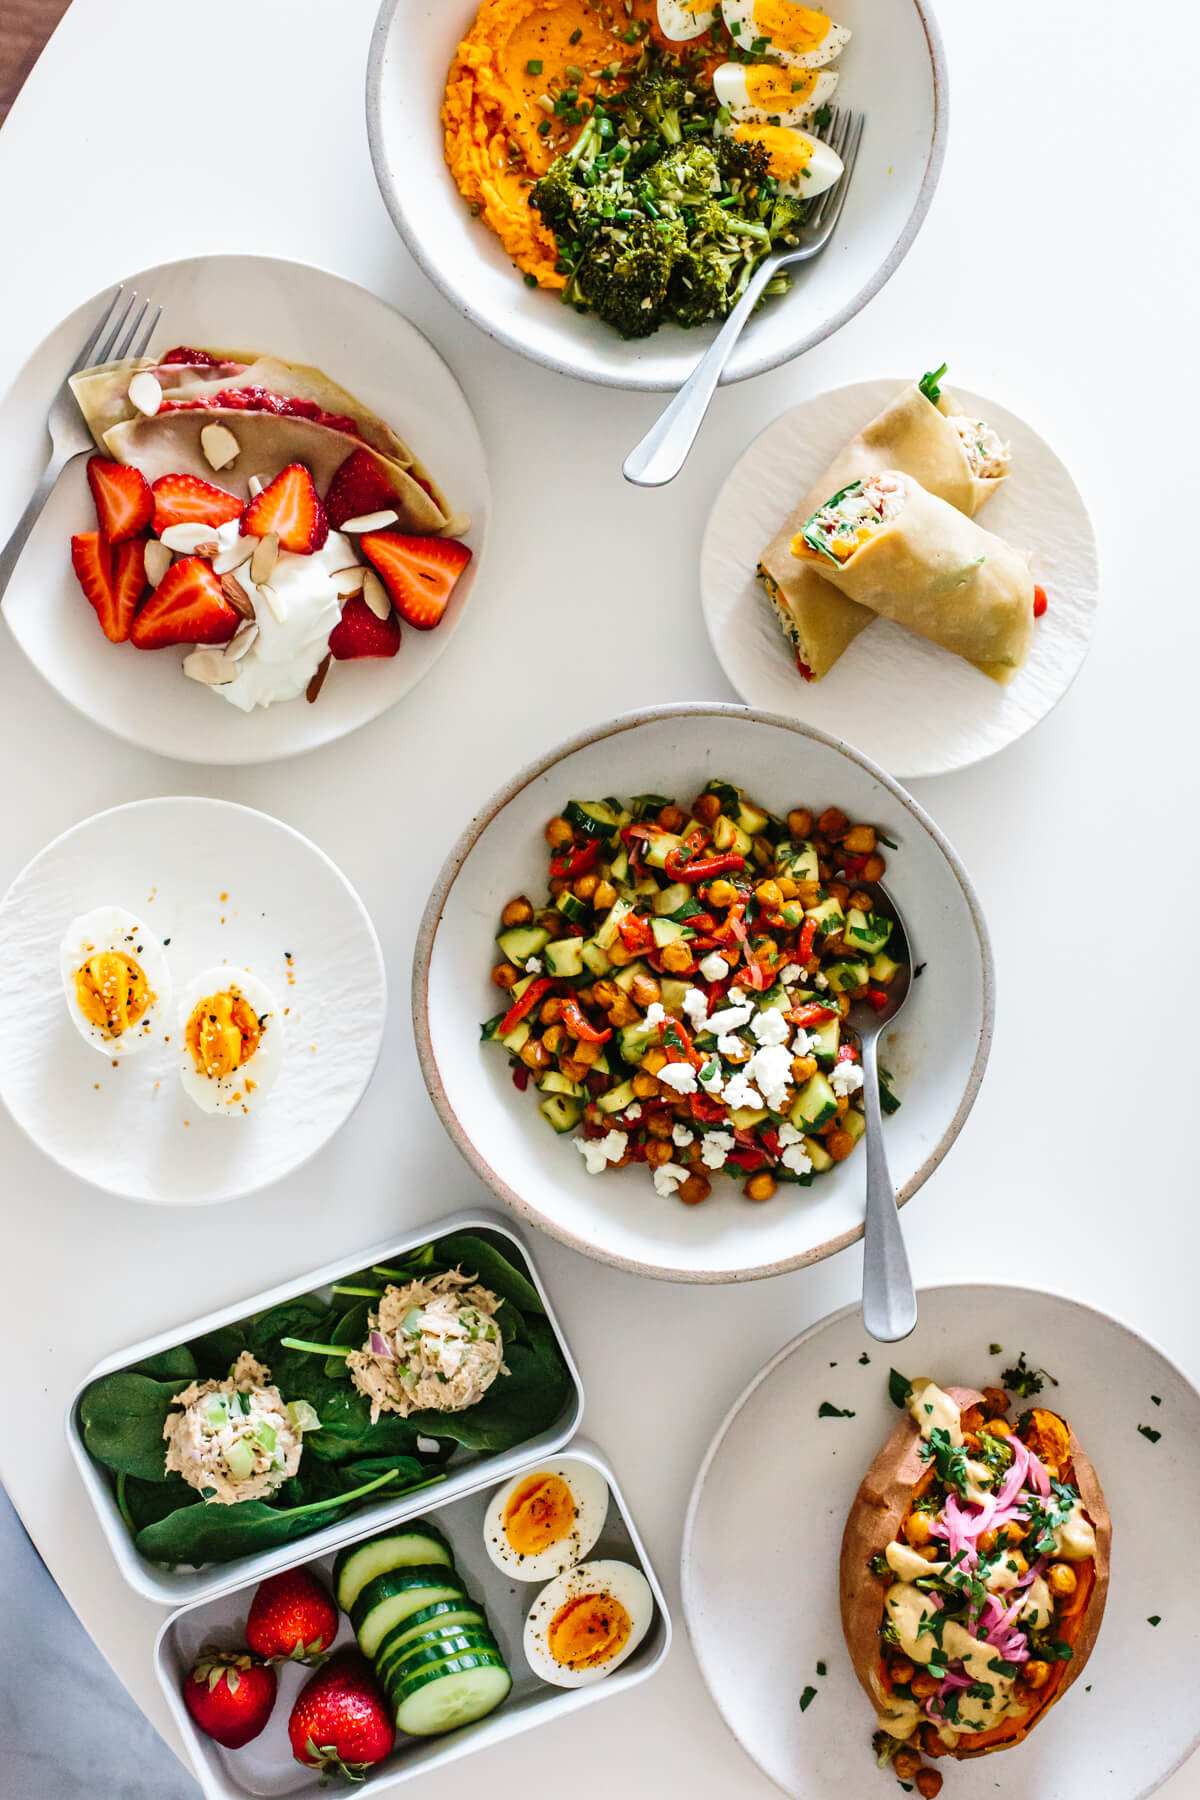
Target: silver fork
[
  {"x": 664, "y": 449},
  {"x": 69, "y": 435}
]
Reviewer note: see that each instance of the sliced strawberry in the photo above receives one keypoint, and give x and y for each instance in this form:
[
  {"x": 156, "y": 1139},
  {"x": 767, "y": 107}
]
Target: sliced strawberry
[
  {"x": 186, "y": 500},
  {"x": 360, "y": 633},
  {"x": 291, "y": 508},
  {"x": 124, "y": 504},
  {"x": 183, "y": 353},
  {"x": 128, "y": 581},
  {"x": 418, "y": 572},
  {"x": 187, "y": 607},
  {"x": 357, "y": 489},
  {"x": 91, "y": 559}
]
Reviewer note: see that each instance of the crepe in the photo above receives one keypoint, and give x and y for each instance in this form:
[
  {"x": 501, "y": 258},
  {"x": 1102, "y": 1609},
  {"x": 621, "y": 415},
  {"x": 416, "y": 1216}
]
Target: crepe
[
  {"x": 931, "y": 568},
  {"x": 912, "y": 434}
]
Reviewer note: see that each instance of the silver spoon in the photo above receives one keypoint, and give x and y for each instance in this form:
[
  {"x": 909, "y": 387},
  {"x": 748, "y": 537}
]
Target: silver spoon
[{"x": 889, "y": 1304}]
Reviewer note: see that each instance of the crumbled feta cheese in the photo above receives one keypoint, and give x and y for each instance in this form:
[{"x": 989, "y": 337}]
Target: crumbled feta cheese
[
  {"x": 680, "y": 1076},
  {"x": 769, "y": 1069},
  {"x": 711, "y": 1078},
  {"x": 820, "y": 981},
  {"x": 770, "y": 1027},
  {"x": 846, "y": 1078},
  {"x": 682, "y": 1136},
  {"x": 695, "y": 1005},
  {"x": 738, "y": 1092},
  {"x": 667, "y": 1177},
  {"x": 597, "y": 1153},
  {"x": 633, "y": 1113},
  {"x": 797, "y": 1159},
  {"x": 737, "y": 995},
  {"x": 715, "y": 1147},
  {"x": 714, "y": 967},
  {"x": 802, "y": 1043},
  {"x": 730, "y": 1018},
  {"x": 656, "y": 1015},
  {"x": 789, "y": 1135},
  {"x": 728, "y": 1045},
  {"x": 534, "y": 966},
  {"x": 790, "y": 974}
]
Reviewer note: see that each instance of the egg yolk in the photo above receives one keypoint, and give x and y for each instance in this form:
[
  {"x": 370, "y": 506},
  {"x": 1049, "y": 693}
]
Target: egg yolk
[
  {"x": 540, "y": 1512},
  {"x": 775, "y": 90},
  {"x": 589, "y": 1630},
  {"x": 790, "y": 27},
  {"x": 222, "y": 1033},
  {"x": 790, "y": 151},
  {"x": 112, "y": 991}
]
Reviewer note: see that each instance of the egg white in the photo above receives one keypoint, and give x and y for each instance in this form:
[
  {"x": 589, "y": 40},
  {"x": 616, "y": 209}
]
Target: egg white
[
  {"x": 111, "y": 928},
  {"x": 589, "y": 1490},
  {"x": 681, "y": 23},
  {"x": 228, "y": 1094},
  {"x": 623, "y": 1582},
  {"x": 822, "y": 166},
  {"x": 799, "y": 94},
  {"x": 748, "y": 32}
]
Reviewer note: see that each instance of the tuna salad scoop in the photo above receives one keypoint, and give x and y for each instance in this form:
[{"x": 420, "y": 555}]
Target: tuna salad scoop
[
  {"x": 433, "y": 1346},
  {"x": 236, "y": 1439}
]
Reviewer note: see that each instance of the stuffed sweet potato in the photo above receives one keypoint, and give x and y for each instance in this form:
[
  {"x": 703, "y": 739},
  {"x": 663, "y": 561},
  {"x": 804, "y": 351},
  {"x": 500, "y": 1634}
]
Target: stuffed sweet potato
[{"x": 974, "y": 1571}]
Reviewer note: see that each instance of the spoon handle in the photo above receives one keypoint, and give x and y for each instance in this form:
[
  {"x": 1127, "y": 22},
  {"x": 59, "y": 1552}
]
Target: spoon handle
[{"x": 889, "y": 1303}]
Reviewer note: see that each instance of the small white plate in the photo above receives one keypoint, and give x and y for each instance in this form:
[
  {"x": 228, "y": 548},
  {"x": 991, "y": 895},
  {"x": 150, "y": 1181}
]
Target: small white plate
[
  {"x": 221, "y": 883},
  {"x": 915, "y": 708},
  {"x": 764, "y": 1527},
  {"x": 303, "y": 315}
]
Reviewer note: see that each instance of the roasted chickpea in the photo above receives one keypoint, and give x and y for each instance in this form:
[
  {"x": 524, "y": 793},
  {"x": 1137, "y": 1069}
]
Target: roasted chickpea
[
  {"x": 572, "y": 1069},
  {"x": 767, "y": 894},
  {"x": 901, "y": 1670},
  {"x": 605, "y": 993},
  {"x": 872, "y": 869},
  {"x": 762, "y": 852},
  {"x": 721, "y": 893},
  {"x": 654, "y": 1060},
  {"x": 622, "y": 1011},
  {"x": 808, "y": 893},
  {"x": 760, "y": 1187},
  {"x": 931, "y": 1743},
  {"x": 843, "y": 1107},
  {"x": 661, "y": 1126},
  {"x": 906, "y": 1762},
  {"x": 987, "y": 1541},
  {"x": 929, "y": 1783},
  {"x": 998, "y": 1428},
  {"x": 552, "y": 921},
  {"x": 505, "y": 976},
  {"x": 787, "y": 887},
  {"x": 517, "y": 912},
  {"x": 535, "y": 1056},
  {"x": 645, "y": 1086},
  {"x": 923, "y": 1686},
  {"x": 863, "y": 901},
  {"x": 1036, "y": 1674},
  {"x": 803, "y": 1068},
  {"x": 971, "y": 1441},
  {"x": 672, "y": 818},
  {"x": 585, "y": 886},
  {"x": 644, "y": 990},
  {"x": 551, "y": 1011},
  {"x": 840, "y": 892},
  {"x": 834, "y": 944},
  {"x": 706, "y": 808},
  {"x": 859, "y": 840},
  {"x": 604, "y": 896},
  {"x": 676, "y": 958},
  {"x": 1060, "y": 1579},
  {"x": 800, "y": 822},
  {"x": 558, "y": 833},
  {"x": 554, "y": 1039},
  {"x": 658, "y": 1152},
  {"x": 586, "y": 996},
  {"x": 619, "y": 956},
  {"x": 586, "y": 1053},
  {"x": 842, "y": 1002},
  {"x": 996, "y": 1400},
  {"x": 738, "y": 1052},
  {"x": 833, "y": 824},
  {"x": 930, "y": 1553},
  {"x": 695, "y": 1189},
  {"x": 559, "y": 885},
  {"x": 917, "y": 1529}
]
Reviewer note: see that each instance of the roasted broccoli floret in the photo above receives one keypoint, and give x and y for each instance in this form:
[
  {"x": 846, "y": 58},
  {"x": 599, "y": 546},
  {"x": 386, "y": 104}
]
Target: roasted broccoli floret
[
  {"x": 560, "y": 196},
  {"x": 743, "y": 162},
  {"x": 685, "y": 176},
  {"x": 698, "y": 289},
  {"x": 626, "y": 270},
  {"x": 651, "y": 104}
]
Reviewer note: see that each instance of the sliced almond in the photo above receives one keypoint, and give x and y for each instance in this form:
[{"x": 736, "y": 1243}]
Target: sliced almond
[
  {"x": 158, "y": 561},
  {"x": 266, "y": 555},
  {"x": 239, "y": 552},
  {"x": 256, "y": 484},
  {"x": 375, "y": 594},
  {"x": 376, "y": 521},
  {"x": 191, "y": 539},
  {"x": 237, "y": 597},
  {"x": 318, "y": 681},
  {"x": 145, "y": 393},
  {"x": 276, "y": 604},
  {"x": 242, "y": 640},
  {"x": 348, "y": 581},
  {"x": 219, "y": 445},
  {"x": 209, "y": 667}
]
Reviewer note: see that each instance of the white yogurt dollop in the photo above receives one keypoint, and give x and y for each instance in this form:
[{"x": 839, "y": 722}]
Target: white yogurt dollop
[{"x": 294, "y": 622}]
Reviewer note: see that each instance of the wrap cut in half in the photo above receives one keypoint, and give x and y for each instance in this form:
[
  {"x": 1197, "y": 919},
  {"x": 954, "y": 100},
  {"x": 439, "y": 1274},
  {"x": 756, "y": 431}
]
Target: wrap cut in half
[
  {"x": 913, "y": 434},
  {"x": 892, "y": 1489},
  {"x": 278, "y": 413},
  {"x": 904, "y": 554}
]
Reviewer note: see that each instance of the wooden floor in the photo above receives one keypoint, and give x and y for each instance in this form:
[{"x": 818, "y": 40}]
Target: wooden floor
[{"x": 24, "y": 27}]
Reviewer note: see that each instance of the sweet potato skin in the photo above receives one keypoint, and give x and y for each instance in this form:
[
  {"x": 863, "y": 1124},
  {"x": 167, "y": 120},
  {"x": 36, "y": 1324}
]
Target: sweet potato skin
[{"x": 880, "y": 1506}]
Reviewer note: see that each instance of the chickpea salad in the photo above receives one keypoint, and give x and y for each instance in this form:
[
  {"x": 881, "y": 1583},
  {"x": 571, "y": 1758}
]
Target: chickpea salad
[{"x": 680, "y": 1000}]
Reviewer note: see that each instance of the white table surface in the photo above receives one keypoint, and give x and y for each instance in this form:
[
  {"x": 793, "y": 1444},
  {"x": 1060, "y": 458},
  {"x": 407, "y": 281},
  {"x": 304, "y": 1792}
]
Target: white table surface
[{"x": 150, "y": 131}]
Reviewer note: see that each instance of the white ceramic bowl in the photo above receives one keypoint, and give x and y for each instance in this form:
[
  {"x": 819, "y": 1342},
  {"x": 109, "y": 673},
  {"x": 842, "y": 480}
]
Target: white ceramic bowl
[
  {"x": 937, "y": 1051},
  {"x": 893, "y": 70}
]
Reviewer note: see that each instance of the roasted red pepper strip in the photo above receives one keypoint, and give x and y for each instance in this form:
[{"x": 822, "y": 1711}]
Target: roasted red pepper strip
[
  {"x": 704, "y": 1110},
  {"x": 812, "y": 1014},
  {"x": 578, "y": 1026},
  {"x": 637, "y": 934},
  {"x": 847, "y": 1053},
  {"x": 682, "y": 1048},
  {"x": 876, "y": 997},
  {"x": 1040, "y": 602},
  {"x": 732, "y": 931},
  {"x": 808, "y": 934},
  {"x": 701, "y": 868},
  {"x": 854, "y": 865},
  {"x": 748, "y": 1161},
  {"x": 578, "y": 862},
  {"x": 529, "y": 999}
]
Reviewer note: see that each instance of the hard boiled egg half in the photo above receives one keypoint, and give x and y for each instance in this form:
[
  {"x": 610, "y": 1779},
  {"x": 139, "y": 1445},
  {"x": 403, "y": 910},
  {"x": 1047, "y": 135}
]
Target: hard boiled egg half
[
  {"x": 230, "y": 1040},
  {"x": 682, "y": 20},
  {"x": 115, "y": 980},
  {"x": 587, "y": 1622},
  {"x": 801, "y": 164},
  {"x": 771, "y": 92},
  {"x": 541, "y": 1523},
  {"x": 795, "y": 34}
]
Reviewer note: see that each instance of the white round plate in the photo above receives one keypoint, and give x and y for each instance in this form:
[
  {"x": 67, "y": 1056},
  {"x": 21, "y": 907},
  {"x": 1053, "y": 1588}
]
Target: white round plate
[
  {"x": 764, "y": 1527},
  {"x": 303, "y": 315},
  {"x": 221, "y": 883},
  {"x": 937, "y": 1050},
  {"x": 912, "y": 706},
  {"x": 894, "y": 70}
]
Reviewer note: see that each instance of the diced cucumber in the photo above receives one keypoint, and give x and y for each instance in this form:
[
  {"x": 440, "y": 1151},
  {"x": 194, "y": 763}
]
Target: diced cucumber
[
  {"x": 517, "y": 1038},
  {"x": 845, "y": 976},
  {"x": 450, "y": 1694},
  {"x": 618, "y": 1098},
  {"x": 595, "y": 958},
  {"x": 602, "y": 1066},
  {"x": 489, "y": 1031},
  {"x": 437, "y": 1647},
  {"x": 884, "y": 969},
  {"x": 554, "y": 1083},
  {"x": 828, "y": 914},
  {"x": 751, "y": 819},
  {"x": 796, "y": 858},
  {"x": 413, "y": 1545},
  {"x": 673, "y": 991},
  {"x": 522, "y": 942},
  {"x": 730, "y": 838},
  {"x": 776, "y": 997},
  {"x": 670, "y": 899},
  {"x": 868, "y": 932},
  {"x": 648, "y": 806},
  {"x": 815, "y": 1104},
  {"x": 625, "y": 978},
  {"x": 610, "y": 928},
  {"x": 594, "y": 818},
  {"x": 441, "y": 1613},
  {"x": 666, "y": 931},
  {"x": 819, "y": 1155},
  {"x": 564, "y": 958},
  {"x": 561, "y": 1113},
  {"x": 636, "y": 1039},
  {"x": 618, "y": 868},
  {"x": 827, "y": 1037},
  {"x": 853, "y": 1123},
  {"x": 659, "y": 847},
  {"x": 518, "y": 987},
  {"x": 745, "y": 1118},
  {"x": 572, "y": 908}
]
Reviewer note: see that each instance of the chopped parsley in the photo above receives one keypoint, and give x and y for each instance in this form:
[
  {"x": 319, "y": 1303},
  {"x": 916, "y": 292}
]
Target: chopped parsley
[
  {"x": 864, "y": 1359},
  {"x": 821, "y": 1669},
  {"x": 1154, "y": 1619},
  {"x": 1148, "y": 1431},
  {"x": 995, "y": 1349},
  {"x": 827, "y": 1410},
  {"x": 1025, "y": 1380},
  {"x": 1157, "y": 1398},
  {"x": 899, "y": 1388},
  {"x": 807, "y": 1698}
]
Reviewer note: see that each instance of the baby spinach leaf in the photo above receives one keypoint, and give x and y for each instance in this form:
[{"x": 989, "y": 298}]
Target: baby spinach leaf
[
  {"x": 219, "y": 1534},
  {"x": 217, "y": 1351},
  {"x": 122, "y": 1417},
  {"x": 516, "y": 1406},
  {"x": 475, "y": 1255},
  {"x": 169, "y": 1365},
  {"x": 148, "y": 1501}
]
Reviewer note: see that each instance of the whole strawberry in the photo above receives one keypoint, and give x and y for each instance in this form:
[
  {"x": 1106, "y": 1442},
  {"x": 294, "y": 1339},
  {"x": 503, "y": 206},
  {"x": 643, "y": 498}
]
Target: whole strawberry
[
  {"x": 341, "y": 1722},
  {"x": 229, "y": 1696},
  {"x": 292, "y": 1616}
]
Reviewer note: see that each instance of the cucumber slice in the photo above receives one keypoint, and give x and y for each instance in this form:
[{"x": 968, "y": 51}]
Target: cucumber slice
[
  {"x": 610, "y": 928},
  {"x": 815, "y": 1105},
  {"x": 522, "y": 942},
  {"x": 827, "y": 1036},
  {"x": 595, "y": 818},
  {"x": 518, "y": 1037},
  {"x": 625, "y": 978},
  {"x": 666, "y": 931},
  {"x": 796, "y": 858},
  {"x": 730, "y": 837},
  {"x": 564, "y": 957},
  {"x": 883, "y": 968},
  {"x": 853, "y": 1124},
  {"x": 660, "y": 846},
  {"x": 437, "y": 1649},
  {"x": 868, "y": 932},
  {"x": 828, "y": 915},
  {"x": 618, "y": 1098},
  {"x": 359, "y": 1563},
  {"x": 554, "y": 1083},
  {"x": 594, "y": 959},
  {"x": 572, "y": 907},
  {"x": 820, "y": 1157},
  {"x": 670, "y": 899},
  {"x": 450, "y": 1694},
  {"x": 390, "y": 1598},
  {"x": 844, "y": 977},
  {"x": 561, "y": 1113},
  {"x": 635, "y": 1040},
  {"x": 440, "y": 1613}
]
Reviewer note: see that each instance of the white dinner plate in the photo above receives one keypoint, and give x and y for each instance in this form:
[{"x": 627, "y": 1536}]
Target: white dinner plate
[
  {"x": 914, "y": 707},
  {"x": 764, "y": 1527},
  {"x": 303, "y": 315},
  {"x": 215, "y": 883}
]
